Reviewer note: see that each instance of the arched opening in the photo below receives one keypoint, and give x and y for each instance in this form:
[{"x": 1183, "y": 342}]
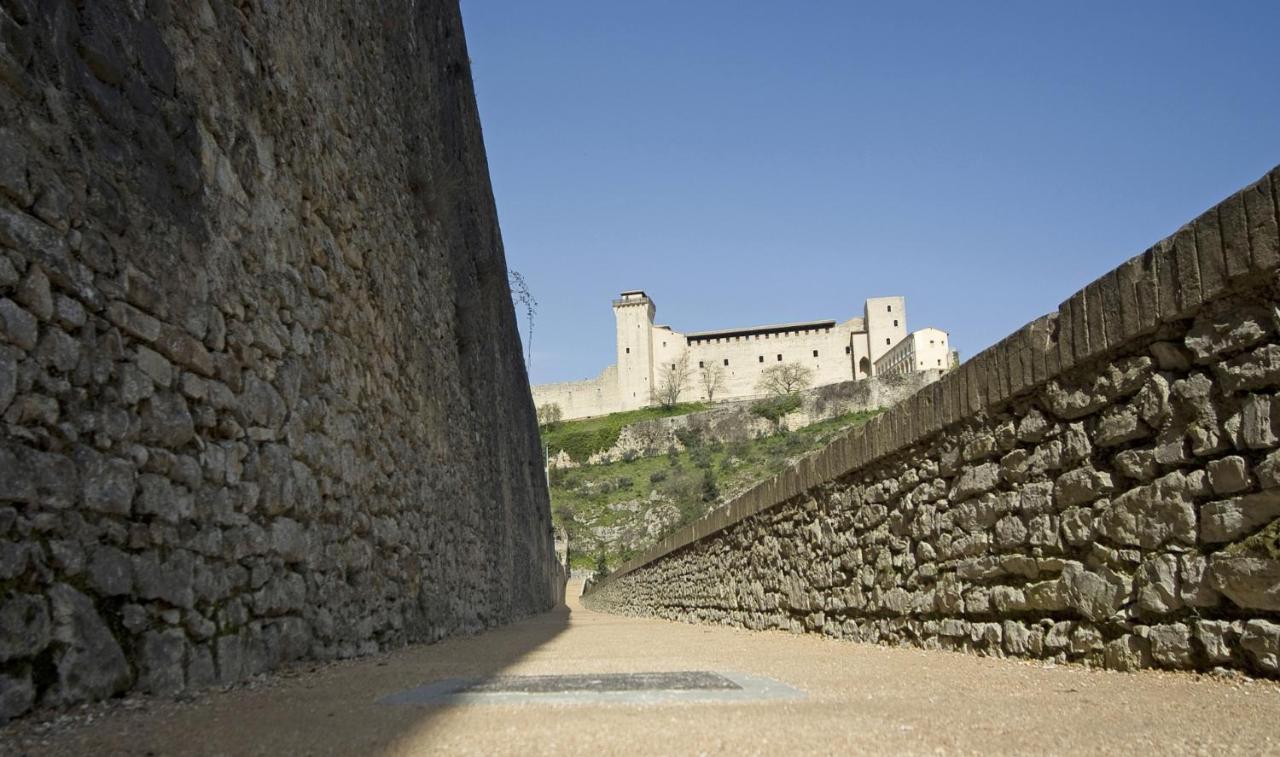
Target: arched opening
[{"x": 864, "y": 367}]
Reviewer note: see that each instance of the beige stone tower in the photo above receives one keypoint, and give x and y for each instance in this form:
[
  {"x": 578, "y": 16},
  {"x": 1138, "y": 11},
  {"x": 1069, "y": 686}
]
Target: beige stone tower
[
  {"x": 634, "y": 313},
  {"x": 886, "y": 324}
]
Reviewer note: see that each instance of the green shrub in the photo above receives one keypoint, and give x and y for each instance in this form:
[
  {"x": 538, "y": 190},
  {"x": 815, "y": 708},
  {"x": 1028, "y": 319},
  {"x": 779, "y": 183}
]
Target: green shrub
[
  {"x": 774, "y": 409},
  {"x": 657, "y": 477},
  {"x": 709, "y": 490}
]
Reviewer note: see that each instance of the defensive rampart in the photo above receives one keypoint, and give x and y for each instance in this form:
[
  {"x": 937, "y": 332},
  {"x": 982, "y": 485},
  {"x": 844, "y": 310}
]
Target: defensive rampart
[
  {"x": 261, "y": 392},
  {"x": 1101, "y": 486}
]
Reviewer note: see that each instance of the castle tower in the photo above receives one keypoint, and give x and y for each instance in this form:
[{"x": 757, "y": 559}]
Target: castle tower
[
  {"x": 634, "y": 313},
  {"x": 886, "y": 319}
]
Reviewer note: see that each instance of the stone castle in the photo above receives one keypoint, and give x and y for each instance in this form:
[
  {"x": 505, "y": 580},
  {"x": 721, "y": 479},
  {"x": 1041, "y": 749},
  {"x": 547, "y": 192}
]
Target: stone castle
[{"x": 728, "y": 363}]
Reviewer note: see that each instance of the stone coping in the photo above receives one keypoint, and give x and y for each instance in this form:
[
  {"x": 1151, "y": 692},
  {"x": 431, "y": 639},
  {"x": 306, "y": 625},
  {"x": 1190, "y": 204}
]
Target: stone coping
[{"x": 1223, "y": 250}]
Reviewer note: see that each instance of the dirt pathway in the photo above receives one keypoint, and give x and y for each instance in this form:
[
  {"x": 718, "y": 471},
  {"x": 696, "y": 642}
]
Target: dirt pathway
[{"x": 852, "y": 698}]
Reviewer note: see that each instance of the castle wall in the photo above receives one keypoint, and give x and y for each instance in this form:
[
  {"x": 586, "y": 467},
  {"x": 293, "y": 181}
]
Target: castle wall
[
  {"x": 261, "y": 393},
  {"x": 582, "y": 399},
  {"x": 1101, "y": 486},
  {"x": 742, "y": 375}
]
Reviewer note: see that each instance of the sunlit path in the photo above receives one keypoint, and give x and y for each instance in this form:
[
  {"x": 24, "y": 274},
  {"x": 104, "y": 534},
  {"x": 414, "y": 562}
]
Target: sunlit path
[{"x": 856, "y": 698}]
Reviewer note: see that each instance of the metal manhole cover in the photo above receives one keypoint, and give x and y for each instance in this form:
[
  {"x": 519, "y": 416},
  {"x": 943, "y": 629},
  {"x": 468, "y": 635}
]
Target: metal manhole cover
[
  {"x": 630, "y": 688},
  {"x": 692, "y": 680}
]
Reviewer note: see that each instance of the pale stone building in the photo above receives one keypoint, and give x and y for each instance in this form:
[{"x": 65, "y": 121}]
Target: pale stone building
[
  {"x": 730, "y": 361},
  {"x": 920, "y": 350}
]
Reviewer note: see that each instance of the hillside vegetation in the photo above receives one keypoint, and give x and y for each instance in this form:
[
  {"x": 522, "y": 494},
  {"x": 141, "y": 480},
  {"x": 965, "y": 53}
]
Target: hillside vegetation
[
  {"x": 614, "y": 509},
  {"x": 583, "y": 438}
]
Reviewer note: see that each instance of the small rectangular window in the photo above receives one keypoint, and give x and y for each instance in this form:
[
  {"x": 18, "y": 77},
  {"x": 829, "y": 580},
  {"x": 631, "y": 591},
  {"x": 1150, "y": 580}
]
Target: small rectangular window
[
  {"x": 815, "y": 353},
  {"x": 700, "y": 365},
  {"x": 726, "y": 361},
  {"x": 779, "y": 358},
  {"x": 888, "y": 308},
  {"x": 628, "y": 350},
  {"x": 673, "y": 366},
  {"x": 895, "y": 323},
  {"x": 886, "y": 340},
  {"x": 762, "y": 358},
  {"x": 847, "y": 350}
]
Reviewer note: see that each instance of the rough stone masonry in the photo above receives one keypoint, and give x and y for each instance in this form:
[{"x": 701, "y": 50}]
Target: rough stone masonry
[
  {"x": 1102, "y": 486},
  {"x": 261, "y": 394}
]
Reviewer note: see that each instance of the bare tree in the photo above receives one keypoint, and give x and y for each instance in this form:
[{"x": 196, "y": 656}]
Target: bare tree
[
  {"x": 784, "y": 379},
  {"x": 549, "y": 414},
  {"x": 712, "y": 378},
  {"x": 675, "y": 378}
]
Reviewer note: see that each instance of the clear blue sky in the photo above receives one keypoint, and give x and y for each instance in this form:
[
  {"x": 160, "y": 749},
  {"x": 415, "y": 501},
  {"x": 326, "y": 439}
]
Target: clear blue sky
[{"x": 753, "y": 162}]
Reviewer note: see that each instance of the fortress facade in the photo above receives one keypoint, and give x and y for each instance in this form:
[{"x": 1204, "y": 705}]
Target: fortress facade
[{"x": 728, "y": 363}]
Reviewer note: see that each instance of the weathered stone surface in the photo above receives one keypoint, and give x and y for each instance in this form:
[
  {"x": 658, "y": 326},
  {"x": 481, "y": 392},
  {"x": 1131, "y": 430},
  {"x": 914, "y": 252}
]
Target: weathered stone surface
[
  {"x": 1261, "y": 639},
  {"x": 1216, "y": 333},
  {"x": 24, "y": 625},
  {"x": 17, "y": 694},
  {"x": 1228, "y": 475},
  {"x": 1152, "y": 515},
  {"x": 1096, "y": 595},
  {"x": 162, "y": 662},
  {"x": 1171, "y": 645},
  {"x": 1251, "y": 371},
  {"x": 1250, "y": 582},
  {"x": 1230, "y": 519},
  {"x": 1158, "y": 585},
  {"x": 91, "y": 664},
  {"x": 1081, "y": 486},
  {"x": 166, "y": 421}
]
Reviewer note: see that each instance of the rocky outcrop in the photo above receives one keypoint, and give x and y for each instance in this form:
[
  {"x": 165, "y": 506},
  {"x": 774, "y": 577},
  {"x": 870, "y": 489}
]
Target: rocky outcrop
[
  {"x": 1099, "y": 487},
  {"x": 261, "y": 395}
]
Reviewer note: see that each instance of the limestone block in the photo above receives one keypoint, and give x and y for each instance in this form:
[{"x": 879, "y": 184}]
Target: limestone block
[
  {"x": 162, "y": 662},
  {"x": 1128, "y": 652},
  {"x": 1257, "y": 369},
  {"x": 1229, "y": 519},
  {"x": 91, "y": 664},
  {"x": 1228, "y": 475},
  {"x": 17, "y": 694},
  {"x": 1261, "y": 639},
  {"x": 1152, "y": 515},
  {"x": 1171, "y": 645},
  {"x": 17, "y": 326},
  {"x": 1095, "y": 594},
  {"x": 1250, "y": 582},
  {"x": 975, "y": 480},
  {"x": 1219, "y": 331},
  {"x": 1159, "y": 590},
  {"x": 1215, "y": 637},
  {"x": 1081, "y": 486},
  {"x": 25, "y": 628}
]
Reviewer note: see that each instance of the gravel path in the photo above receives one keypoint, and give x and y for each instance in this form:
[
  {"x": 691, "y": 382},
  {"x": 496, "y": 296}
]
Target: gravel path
[{"x": 856, "y": 699}]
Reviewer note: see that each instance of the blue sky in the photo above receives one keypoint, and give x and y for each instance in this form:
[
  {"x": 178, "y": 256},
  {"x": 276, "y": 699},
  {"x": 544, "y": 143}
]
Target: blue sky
[{"x": 749, "y": 162}]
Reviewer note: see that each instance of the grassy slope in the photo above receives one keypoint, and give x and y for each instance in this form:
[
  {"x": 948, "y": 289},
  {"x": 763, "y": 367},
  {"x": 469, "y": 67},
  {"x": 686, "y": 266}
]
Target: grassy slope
[
  {"x": 581, "y": 496},
  {"x": 582, "y": 439}
]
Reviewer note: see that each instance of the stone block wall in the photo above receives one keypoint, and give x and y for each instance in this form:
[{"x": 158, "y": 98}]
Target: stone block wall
[
  {"x": 261, "y": 393},
  {"x": 1102, "y": 486}
]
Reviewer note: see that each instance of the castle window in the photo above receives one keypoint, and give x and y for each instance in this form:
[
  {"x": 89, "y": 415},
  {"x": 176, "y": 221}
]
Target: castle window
[
  {"x": 726, "y": 361},
  {"x": 700, "y": 365},
  {"x": 673, "y": 366},
  {"x": 815, "y": 353},
  {"x": 779, "y": 358},
  {"x": 628, "y": 350},
  {"x": 886, "y": 340},
  {"x": 847, "y": 349},
  {"x": 888, "y": 308},
  {"x": 895, "y": 323},
  {"x": 762, "y": 358}
]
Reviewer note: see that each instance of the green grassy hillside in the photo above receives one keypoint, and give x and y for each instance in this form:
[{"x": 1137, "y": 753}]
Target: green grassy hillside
[{"x": 614, "y": 509}]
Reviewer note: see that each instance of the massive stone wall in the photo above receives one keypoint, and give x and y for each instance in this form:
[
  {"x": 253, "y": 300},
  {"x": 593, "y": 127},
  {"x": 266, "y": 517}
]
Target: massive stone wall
[
  {"x": 1102, "y": 486},
  {"x": 260, "y": 385}
]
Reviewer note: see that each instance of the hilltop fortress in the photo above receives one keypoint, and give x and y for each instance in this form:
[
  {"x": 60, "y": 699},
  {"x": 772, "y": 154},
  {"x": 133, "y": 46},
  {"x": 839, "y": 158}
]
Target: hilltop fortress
[{"x": 730, "y": 362}]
